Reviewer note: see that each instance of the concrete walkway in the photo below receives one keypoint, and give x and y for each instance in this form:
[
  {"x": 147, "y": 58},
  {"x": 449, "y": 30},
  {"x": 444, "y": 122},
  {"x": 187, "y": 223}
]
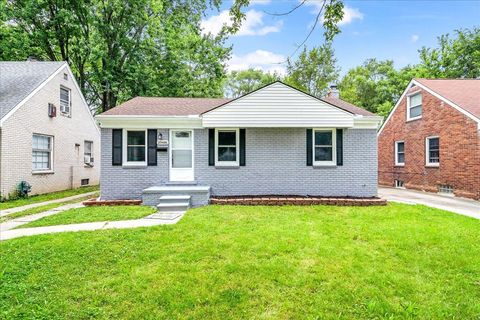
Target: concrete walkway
[
  {"x": 11, "y": 224},
  {"x": 462, "y": 206},
  {"x": 6, "y": 212},
  {"x": 152, "y": 220}
]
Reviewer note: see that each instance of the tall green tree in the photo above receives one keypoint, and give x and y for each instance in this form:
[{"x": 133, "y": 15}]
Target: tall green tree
[
  {"x": 244, "y": 81},
  {"x": 457, "y": 57},
  {"x": 313, "y": 70},
  {"x": 122, "y": 48}
]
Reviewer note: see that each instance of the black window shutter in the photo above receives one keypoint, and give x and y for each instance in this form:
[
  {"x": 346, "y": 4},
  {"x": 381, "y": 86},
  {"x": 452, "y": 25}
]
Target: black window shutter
[
  {"x": 242, "y": 147},
  {"x": 152, "y": 147},
  {"x": 309, "y": 147},
  {"x": 339, "y": 147},
  {"x": 211, "y": 147},
  {"x": 116, "y": 147}
]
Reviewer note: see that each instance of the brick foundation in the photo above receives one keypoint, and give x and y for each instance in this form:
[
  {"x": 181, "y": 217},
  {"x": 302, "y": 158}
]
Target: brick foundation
[{"x": 296, "y": 200}]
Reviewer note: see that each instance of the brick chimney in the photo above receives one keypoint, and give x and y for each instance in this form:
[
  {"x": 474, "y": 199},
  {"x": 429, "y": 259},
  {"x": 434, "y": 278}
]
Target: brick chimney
[{"x": 333, "y": 92}]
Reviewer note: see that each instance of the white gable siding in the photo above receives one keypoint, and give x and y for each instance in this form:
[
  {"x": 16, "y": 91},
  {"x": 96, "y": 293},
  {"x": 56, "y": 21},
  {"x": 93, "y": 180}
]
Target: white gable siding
[{"x": 277, "y": 105}]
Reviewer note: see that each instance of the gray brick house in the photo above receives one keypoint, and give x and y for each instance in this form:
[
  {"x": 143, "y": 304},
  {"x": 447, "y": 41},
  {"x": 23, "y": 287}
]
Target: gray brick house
[
  {"x": 48, "y": 136},
  {"x": 276, "y": 140}
]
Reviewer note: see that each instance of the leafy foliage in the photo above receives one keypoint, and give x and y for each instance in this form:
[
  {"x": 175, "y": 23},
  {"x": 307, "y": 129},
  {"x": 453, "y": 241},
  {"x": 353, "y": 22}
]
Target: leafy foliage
[
  {"x": 377, "y": 85},
  {"x": 314, "y": 70},
  {"x": 119, "y": 49},
  {"x": 245, "y": 81}
]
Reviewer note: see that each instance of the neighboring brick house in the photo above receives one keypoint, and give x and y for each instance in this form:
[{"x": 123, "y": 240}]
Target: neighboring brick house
[
  {"x": 276, "y": 140},
  {"x": 48, "y": 136},
  {"x": 431, "y": 139}
]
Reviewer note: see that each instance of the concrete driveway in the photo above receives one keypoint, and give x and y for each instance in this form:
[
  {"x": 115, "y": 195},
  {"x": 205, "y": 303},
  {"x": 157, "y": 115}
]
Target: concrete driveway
[{"x": 462, "y": 206}]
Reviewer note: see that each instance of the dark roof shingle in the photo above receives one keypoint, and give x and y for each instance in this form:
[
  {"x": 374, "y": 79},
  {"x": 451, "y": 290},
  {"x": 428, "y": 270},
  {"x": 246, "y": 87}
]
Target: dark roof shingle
[
  {"x": 157, "y": 106},
  {"x": 19, "y": 78}
]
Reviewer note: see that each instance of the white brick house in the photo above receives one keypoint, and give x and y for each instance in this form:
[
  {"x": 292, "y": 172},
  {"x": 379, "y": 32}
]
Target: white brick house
[
  {"x": 276, "y": 140},
  {"x": 48, "y": 136}
]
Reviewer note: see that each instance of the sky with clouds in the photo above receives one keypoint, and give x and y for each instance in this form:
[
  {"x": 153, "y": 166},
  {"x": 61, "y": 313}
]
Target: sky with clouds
[{"x": 381, "y": 29}]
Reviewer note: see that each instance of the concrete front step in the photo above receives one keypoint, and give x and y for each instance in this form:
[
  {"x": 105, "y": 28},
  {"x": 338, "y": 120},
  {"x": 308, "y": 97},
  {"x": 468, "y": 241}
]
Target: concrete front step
[
  {"x": 173, "y": 206},
  {"x": 199, "y": 195},
  {"x": 174, "y": 198}
]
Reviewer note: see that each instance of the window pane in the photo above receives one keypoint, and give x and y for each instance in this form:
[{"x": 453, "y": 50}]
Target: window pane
[
  {"x": 227, "y": 138},
  {"x": 227, "y": 154},
  {"x": 136, "y": 138},
  {"x": 40, "y": 160},
  {"x": 323, "y": 138},
  {"x": 400, "y": 147},
  {"x": 416, "y": 100},
  {"x": 41, "y": 142},
  {"x": 135, "y": 153},
  {"x": 64, "y": 94},
  {"x": 182, "y": 140},
  {"x": 323, "y": 154},
  {"x": 433, "y": 143},
  {"x": 181, "y": 158},
  {"x": 88, "y": 147},
  {"x": 415, "y": 111},
  {"x": 401, "y": 158}
]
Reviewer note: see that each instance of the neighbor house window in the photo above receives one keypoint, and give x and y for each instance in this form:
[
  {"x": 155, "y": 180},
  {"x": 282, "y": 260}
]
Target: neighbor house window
[
  {"x": 432, "y": 151},
  {"x": 399, "y": 153},
  {"x": 227, "y": 147},
  {"x": 65, "y": 104},
  {"x": 88, "y": 152},
  {"x": 42, "y": 147},
  {"x": 414, "y": 106},
  {"x": 324, "y": 147},
  {"x": 135, "y": 148}
]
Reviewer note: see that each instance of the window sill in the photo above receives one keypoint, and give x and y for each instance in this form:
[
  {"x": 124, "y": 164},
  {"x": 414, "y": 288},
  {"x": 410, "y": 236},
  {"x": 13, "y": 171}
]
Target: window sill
[
  {"x": 43, "y": 172},
  {"x": 319, "y": 166},
  {"x": 431, "y": 165},
  {"x": 413, "y": 119},
  {"x": 399, "y": 165},
  {"x": 134, "y": 166},
  {"x": 233, "y": 166},
  {"x": 88, "y": 165}
]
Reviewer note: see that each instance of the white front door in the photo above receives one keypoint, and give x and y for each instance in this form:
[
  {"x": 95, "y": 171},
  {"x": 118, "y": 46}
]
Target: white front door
[{"x": 181, "y": 155}]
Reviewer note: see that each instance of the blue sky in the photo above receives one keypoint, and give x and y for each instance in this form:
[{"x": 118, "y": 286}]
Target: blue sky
[{"x": 385, "y": 29}]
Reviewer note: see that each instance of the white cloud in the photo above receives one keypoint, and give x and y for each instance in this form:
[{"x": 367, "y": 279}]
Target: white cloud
[
  {"x": 258, "y": 59},
  {"x": 415, "y": 38},
  {"x": 349, "y": 14},
  {"x": 260, "y": 2},
  {"x": 253, "y": 24}
]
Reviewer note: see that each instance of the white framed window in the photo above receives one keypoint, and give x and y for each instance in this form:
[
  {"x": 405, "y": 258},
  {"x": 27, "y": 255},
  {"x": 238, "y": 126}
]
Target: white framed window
[
  {"x": 414, "y": 106},
  {"x": 324, "y": 147},
  {"x": 399, "y": 184},
  {"x": 399, "y": 153},
  {"x": 42, "y": 148},
  {"x": 65, "y": 100},
  {"x": 88, "y": 152},
  {"x": 135, "y": 147},
  {"x": 432, "y": 151},
  {"x": 227, "y": 147}
]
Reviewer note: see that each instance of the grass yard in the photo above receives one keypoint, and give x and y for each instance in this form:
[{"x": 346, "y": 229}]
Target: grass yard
[
  {"x": 46, "y": 197},
  {"x": 227, "y": 262},
  {"x": 92, "y": 214}
]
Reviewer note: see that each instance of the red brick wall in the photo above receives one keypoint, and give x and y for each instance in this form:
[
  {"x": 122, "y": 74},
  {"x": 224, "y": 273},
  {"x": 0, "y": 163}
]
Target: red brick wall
[{"x": 459, "y": 149}]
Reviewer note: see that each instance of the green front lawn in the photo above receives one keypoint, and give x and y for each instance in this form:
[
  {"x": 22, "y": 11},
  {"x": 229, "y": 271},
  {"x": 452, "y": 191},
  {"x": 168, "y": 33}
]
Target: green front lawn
[
  {"x": 227, "y": 262},
  {"x": 92, "y": 214},
  {"x": 46, "y": 197}
]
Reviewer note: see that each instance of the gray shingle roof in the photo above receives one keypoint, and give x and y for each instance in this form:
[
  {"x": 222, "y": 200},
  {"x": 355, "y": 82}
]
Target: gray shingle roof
[{"x": 19, "y": 78}]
